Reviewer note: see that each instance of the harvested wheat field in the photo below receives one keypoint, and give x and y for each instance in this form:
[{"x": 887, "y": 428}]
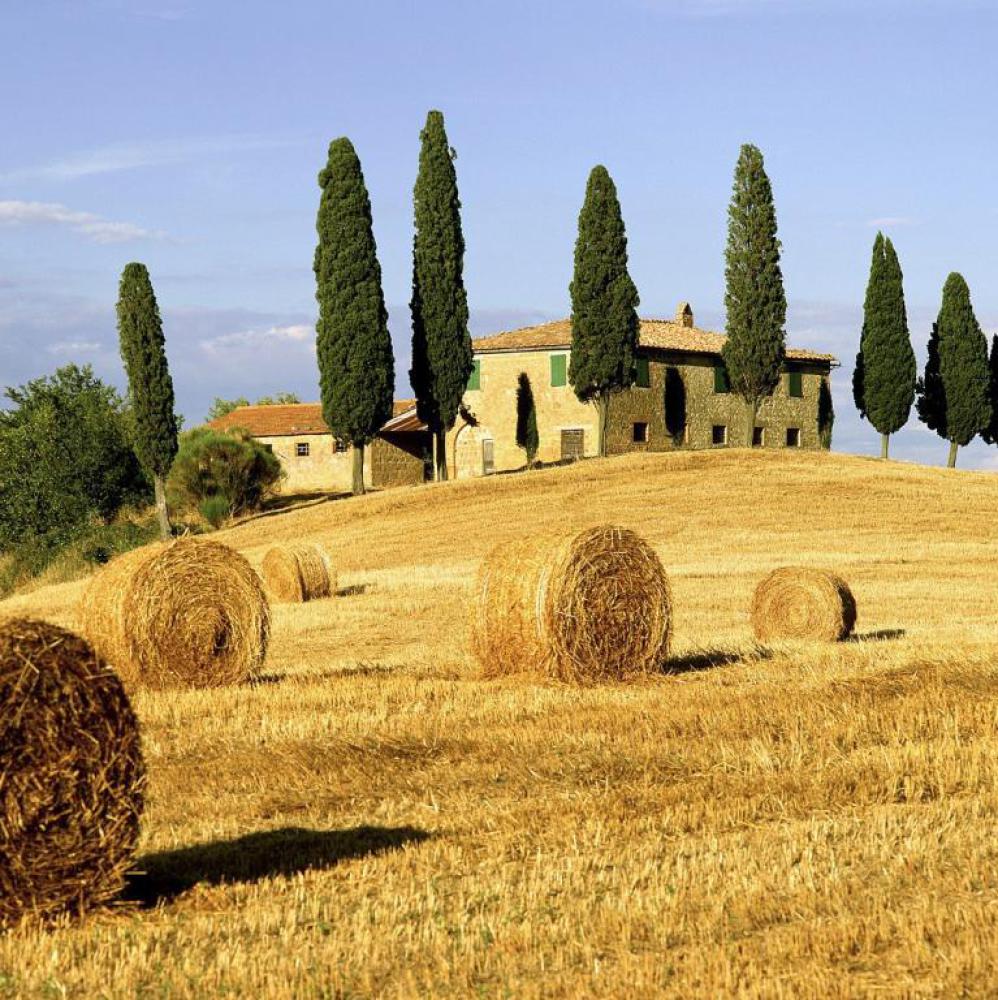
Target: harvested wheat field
[{"x": 371, "y": 818}]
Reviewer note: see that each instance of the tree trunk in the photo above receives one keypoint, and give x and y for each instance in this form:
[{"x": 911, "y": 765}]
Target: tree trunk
[
  {"x": 951, "y": 463},
  {"x": 440, "y": 448},
  {"x": 884, "y": 443},
  {"x": 603, "y": 414},
  {"x": 162, "y": 513},
  {"x": 358, "y": 471},
  {"x": 751, "y": 409}
]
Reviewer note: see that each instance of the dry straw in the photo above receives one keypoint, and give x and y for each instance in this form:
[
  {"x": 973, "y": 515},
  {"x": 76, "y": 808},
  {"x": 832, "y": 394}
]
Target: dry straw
[
  {"x": 797, "y": 602},
  {"x": 188, "y": 613},
  {"x": 586, "y": 606},
  {"x": 71, "y": 775},
  {"x": 296, "y": 573}
]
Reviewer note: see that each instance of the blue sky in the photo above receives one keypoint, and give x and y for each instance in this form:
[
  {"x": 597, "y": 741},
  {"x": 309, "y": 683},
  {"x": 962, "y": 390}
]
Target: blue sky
[{"x": 188, "y": 134}]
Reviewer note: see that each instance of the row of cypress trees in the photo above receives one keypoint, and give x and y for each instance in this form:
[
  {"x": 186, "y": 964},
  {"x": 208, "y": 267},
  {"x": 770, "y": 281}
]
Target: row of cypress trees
[{"x": 957, "y": 396}]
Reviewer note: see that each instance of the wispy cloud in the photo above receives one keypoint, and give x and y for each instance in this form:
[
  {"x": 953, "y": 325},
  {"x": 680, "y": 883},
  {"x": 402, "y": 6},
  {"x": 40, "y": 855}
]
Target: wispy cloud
[
  {"x": 295, "y": 333},
  {"x": 120, "y": 156},
  {"x": 890, "y": 222},
  {"x": 96, "y": 228},
  {"x": 74, "y": 348}
]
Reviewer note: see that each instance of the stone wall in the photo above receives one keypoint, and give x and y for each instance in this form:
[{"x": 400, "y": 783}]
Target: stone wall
[
  {"x": 323, "y": 470},
  {"x": 399, "y": 459}
]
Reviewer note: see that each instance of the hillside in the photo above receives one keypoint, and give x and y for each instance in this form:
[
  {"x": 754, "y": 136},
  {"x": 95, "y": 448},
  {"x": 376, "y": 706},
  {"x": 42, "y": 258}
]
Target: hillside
[{"x": 373, "y": 819}]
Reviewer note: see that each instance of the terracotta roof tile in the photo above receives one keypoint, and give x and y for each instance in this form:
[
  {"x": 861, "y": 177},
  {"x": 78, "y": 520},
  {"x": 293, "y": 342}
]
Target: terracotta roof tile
[
  {"x": 293, "y": 420},
  {"x": 655, "y": 333}
]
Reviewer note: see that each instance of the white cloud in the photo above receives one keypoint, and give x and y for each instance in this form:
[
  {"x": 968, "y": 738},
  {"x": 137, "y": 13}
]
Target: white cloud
[
  {"x": 890, "y": 222},
  {"x": 98, "y": 229},
  {"x": 73, "y": 347},
  {"x": 295, "y": 333},
  {"x": 133, "y": 155}
]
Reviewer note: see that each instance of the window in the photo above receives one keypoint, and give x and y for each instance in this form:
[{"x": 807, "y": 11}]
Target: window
[
  {"x": 758, "y": 437},
  {"x": 301, "y": 449},
  {"x": 793, "y": 437},
  {"x": 559, "y": 369},
  {"x": 488, "y": 457},
  {"x": 475, "y": 381},
  {"x": 719, "y": 434},
  {"x": 642, "y": 374},
  {"x": 269, "y": 447},
  {"x": 721, "y": 381},
  {"x": 340, "y": 446},
  {"x": 641, "y": 433},
  {"x": 795, "y": 384}
]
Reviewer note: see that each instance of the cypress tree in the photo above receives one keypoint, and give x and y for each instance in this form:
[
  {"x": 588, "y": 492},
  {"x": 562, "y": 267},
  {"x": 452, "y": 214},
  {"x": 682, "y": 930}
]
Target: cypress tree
[
  {"x": 441, "y": 343},
  {"x": 353, "y": 346},
  {"x": 826, "y": 415},
  {"x": 886, "y": 361},
  {"x": 526, "y": 419},
  {"x": 605, "y": 323},
  {"x": 150, "y": 388},
  {"x": 955, "y": 392},
  {"x": 990, "y": 433},
  {"x": 754, "y": 298}
]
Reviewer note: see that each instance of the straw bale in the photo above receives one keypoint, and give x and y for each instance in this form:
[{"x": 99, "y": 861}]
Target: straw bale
[
  {"x": 71, "y": 775},
  {"x": 585, "y": 606},
  {"x": 797, "y": 602},
  {"x": 296, "y": 573},
  {"x": 188, "y": 613}
]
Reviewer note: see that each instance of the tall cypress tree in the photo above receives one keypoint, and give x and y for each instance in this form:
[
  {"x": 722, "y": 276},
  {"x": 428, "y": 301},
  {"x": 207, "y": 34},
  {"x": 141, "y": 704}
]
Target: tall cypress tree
[
  {"x": 150, "y": 388},
  {"x": 990, "y": 433},
  {"x": 526, "y": 419},
  {"x": 441, "y": 344},
  {"x": 754, "y": 298},
  {"x": 954, "y": 395},
  {"x": 605, "y": 323},
  {"x": 886, "y": 368},
  {"x": 353, "y": 348}
]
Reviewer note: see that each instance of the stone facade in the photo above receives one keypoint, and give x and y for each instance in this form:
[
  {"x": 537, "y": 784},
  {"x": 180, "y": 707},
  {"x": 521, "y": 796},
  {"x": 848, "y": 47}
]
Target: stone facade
[
  {"x": 322, "y": 469},
  {"x": 679, "y": 409},
  {"x": 399, "y": 459}
]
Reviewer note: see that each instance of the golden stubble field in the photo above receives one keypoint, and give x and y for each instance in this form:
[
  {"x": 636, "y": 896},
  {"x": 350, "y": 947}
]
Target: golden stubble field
[{"x": 371, "y": 819}]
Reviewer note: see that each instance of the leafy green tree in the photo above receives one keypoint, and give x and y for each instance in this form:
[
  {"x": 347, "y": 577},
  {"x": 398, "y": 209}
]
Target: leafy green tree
[
  {"x": 990, "y": 433},
  {"x": 526, "y": 419},
  {"x": 281, "y": 399},
  {"x": 150, "y": 388},
  {"x": 754, "y": 298},
  {"x": 354, "y": 349},
  {"x": 886, "y": 372},
  {"x": 66, "y": 460},
  {"x": 441, "y": 344},
  {"x": 221, "y": 473},
  {"x": 954, "y": 395},
  {"x": 223, "y": 407},
  {"x": 605, "y": 323}
]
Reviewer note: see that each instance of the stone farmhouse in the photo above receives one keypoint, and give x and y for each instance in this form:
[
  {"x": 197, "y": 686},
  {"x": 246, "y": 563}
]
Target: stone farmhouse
[
  {"x": 314, "y": 461},
  {"x": 680, "y": 399}
]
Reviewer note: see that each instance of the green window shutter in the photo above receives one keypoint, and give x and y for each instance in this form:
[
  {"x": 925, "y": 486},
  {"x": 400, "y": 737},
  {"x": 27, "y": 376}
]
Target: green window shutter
[
  {"x": 475, "y": 381},
  {"x": 796, "y": 385},
  {"x": 642, "y": 377},
  {"x": 721, "y": 383},
  {"x": 558, "y": 369}
]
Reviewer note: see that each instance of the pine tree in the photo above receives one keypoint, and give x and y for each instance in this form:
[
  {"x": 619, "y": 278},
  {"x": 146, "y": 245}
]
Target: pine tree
[
  {"x": 885, "y": 367},
  {"x": 526, "y": 419},
  {"x": 605, "y": 323},
  {"x": 990, "y": 433},
  {"x": 754, "y": 297},
  {"x": 150, "y": 388},
  {"x": 441, "y": 344},
  {"x": 353, "y": 347},
  {"x": 955, "y": 392}
]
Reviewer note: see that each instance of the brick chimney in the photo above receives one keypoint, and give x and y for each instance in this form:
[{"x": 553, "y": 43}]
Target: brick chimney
[{"x": 684, "y": 314}]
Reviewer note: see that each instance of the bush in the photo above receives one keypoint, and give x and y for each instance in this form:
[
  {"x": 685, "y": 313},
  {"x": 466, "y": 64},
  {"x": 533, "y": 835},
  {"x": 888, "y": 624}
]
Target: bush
[
  {"x": 215, "y": 510},
  {"x": 223, "y": 468}
]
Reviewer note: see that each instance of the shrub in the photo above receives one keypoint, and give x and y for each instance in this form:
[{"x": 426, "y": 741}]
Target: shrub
[
  {"x": 215, "y": 510},
  {"x": 224, "y": 467}
]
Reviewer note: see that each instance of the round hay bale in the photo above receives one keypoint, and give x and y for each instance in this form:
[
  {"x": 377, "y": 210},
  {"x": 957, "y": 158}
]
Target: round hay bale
[
  {"x": 297, "y": 573},
  {"x": 71, "y": 775},
  {"x": 585, "y": 606},
  {"x": 188, "y": 613},
  {"x": 797, "y": 602}
]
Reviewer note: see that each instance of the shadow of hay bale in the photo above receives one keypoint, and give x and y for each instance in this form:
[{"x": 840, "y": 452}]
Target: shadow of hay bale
[
  {"x": 881, "y": 635},
  {"x": 355, "y": 590},
  {"x": 708, "y": 659},
  {"x": 167, "y": 874}
]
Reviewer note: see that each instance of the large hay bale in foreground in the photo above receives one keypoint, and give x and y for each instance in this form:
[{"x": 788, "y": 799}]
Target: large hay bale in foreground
[
  {"x": 797, "y": 602},
  {"x": 297, "y": 573},
  {"x": 71, "y": 774},
  {"x": 188, "y": 613},
  {"x": 585, "y": 606}
]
